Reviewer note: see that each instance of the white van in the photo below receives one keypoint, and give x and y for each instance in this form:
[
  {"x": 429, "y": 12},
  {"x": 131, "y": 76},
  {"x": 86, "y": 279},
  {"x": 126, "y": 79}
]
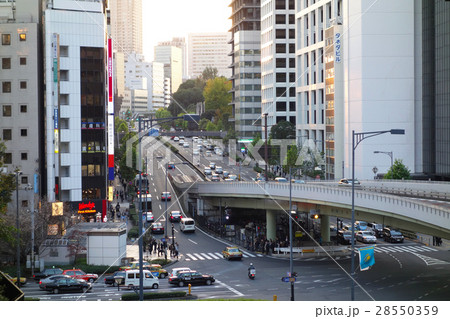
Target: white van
[
  {"x": 187, "y": 224},
  {"x": 132, "y": 279}
]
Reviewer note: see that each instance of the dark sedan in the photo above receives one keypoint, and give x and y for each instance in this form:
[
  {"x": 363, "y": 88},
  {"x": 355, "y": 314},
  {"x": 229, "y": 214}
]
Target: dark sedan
[
  {"x": 175, "y": 216},
  {"x": 47, "y": 272},
  {"x": 183, "y": 278},
  {"x": 157, "y": 228},
  {"x": 68, "y": 285},
  {"x": 344, "y": 237},
  {"x": 111, "y": 280},
  {"x": 43, "y": 282}
]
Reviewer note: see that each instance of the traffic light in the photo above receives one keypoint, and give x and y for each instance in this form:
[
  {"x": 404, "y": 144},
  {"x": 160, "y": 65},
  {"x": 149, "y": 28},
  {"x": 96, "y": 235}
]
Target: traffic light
[{"x": 315, "y": 216}]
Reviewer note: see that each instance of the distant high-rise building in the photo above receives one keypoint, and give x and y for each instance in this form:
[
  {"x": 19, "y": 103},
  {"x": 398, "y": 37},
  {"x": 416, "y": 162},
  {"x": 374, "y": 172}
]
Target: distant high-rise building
[
  {"x": 209, "y": 50},
  {"x": 179, "y": 43},
  {"x": 21, "y": 99},
  {"x": 246, "y": 67},
  {"x": 278, "y": 61},
  {"x": 171, "y": 57},
  {"x": 126, "y": 25}
]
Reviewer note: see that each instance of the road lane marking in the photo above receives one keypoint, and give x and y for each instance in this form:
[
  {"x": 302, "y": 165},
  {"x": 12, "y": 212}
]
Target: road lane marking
[
  {"x": 229, "y": 288},
  {"x": 206, "y": 256},
  {"x": 199, "y": 256},
  {"x": 192, "y": 257},
  {"x": 192, "y": 241}
]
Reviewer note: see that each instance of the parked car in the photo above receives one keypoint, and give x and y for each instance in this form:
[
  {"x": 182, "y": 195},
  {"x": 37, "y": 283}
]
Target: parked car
[
  {"x": 208, "y": 153},
  {"x": 186, "y": 145},
  {"x": 68, "y": 285},
  {"x": 366, "y": 237},
  {"x": 191, "y": 277},
  {"x": 226, "y": 174},
  {"x": 166, "y": 196},
  {"x": 158, "y": 271},
  {"x": 157, "y": 228},
  {"x": 47, "y": 272},
  {"x": 349, "y": 182},
  {"x": 135, "y": 265},
  {"x": 212, "y": 165},
  {"x": 232, "y": 253},
  {"x": 361, "y": 225},
  {"x": 181, "y": 142},
  {"x": 79, "y": 274},
  {"x": 111, "y": 280},
  {"x": 281, "y": 180},
  {"x": 174, "y": 216},
  {"x": 176, "y": 138},
  {"x": 44, "y": 281},
  {"x": 219, "y": 170},
  {"x": 233, "y": 177},
  {"x": 392, "y": 235},
  {"x": 298, "y": 181},
  {"x": 215, "y": 178},
  {"x": 207, "y": 170},
  {"x": 344, "y": 237}
]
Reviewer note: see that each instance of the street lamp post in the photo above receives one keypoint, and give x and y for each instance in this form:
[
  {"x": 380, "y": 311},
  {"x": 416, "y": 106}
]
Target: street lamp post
[
  {"x": 391, "y": 155},
  {"x": 18, "y": 173},
  {"x": 356, "y": 139},
  {"x": 291, "y": 244}
]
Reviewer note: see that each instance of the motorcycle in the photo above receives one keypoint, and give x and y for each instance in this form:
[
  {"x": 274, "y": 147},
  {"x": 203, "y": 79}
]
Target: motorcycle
[{"x": 251, "y": 273}]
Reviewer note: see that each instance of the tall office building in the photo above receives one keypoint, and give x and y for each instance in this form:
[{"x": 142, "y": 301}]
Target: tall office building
[
  {"x": 126, "y": 25},
  {"x": 74, "y": 62},
  {"x": 21, "y": 101},
  {"x": 246, "y": 67},
  {"x": 179, "y": 43},
  {"x": 435, "y": 114},
  {"x": 278, "y": 61},
  {"x": 359, "y": 68},
  {"x": 172, "y": 58},
  {"x": 209, "y": 50}
]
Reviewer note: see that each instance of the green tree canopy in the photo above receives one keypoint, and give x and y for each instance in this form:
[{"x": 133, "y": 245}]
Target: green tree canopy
[
  {"x": 282, "y": 130},
  {"x": 7, "y": 186},
  {"x": 398, "y": 171},
  {"x": 209, "y": 73},
  {"x": 217, "y": 93}
]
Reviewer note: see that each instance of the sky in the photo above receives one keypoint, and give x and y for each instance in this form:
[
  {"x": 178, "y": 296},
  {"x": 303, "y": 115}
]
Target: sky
[{"x": 163, "y": 20}]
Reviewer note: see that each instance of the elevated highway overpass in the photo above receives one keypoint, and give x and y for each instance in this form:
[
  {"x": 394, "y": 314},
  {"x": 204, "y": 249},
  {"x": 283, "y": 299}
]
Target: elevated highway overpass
[{"x": 402, "y": 211}]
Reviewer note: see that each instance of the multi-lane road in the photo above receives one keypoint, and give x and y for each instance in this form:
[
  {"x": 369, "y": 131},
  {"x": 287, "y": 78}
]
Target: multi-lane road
[{"x": 406, "y": 272}]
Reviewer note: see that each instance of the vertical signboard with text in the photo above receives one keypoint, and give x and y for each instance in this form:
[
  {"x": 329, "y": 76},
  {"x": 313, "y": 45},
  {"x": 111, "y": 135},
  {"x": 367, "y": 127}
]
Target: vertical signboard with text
[{"x": 110, "y": 112}]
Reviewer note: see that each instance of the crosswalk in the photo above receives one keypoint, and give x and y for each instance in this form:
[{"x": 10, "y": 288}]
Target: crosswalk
[
  {"x": 403, "y": 249},
  {"x": 211, "y": 256}
]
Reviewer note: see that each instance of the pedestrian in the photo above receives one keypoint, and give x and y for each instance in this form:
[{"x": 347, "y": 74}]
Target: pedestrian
[
  {"x": 176, "y": 250},
  {"x": 160, "y": 249},
  {"x": 150, "y": 248}
]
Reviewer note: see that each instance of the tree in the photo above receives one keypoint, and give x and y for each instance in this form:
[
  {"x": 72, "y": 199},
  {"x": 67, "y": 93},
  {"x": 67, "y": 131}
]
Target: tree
[
  {"x": 398, "y": 171},
  {"x": 209, "y": 73},
  {"x": 282, "y": 130},
  {"x": 162, "y": 113},
  {"x": 7, "y": 186},
  {"x": 187, "y": 96},
  {"x": 217, "y": 93}
]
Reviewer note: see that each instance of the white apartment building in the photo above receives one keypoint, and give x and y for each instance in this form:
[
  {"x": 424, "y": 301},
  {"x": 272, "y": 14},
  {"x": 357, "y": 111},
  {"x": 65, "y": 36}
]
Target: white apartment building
[
  {"x": 209, "y": 50},
  {"x": 179, "y": 42},
  {"x": 358, "y": 69},
  {"x": 278, "y": 61},
  {"x": 21, "y": 98},
  {"x": 74, "y": 63},
  {"x": 172, "y": 59}
]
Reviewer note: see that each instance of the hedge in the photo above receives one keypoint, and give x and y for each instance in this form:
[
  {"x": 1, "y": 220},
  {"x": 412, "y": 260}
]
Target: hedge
[{"x": 154, "y": 295}]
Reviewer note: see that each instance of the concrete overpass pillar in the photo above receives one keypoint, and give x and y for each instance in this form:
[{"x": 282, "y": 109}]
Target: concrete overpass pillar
[
  {"x": 325, "y": 228},
  {"x": 271, "y": 224}
]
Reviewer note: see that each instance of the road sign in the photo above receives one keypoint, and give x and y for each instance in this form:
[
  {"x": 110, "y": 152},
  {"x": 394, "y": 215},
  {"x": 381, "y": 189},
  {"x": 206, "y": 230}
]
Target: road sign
[
  {"x": 153, "y": 132},
  {"x": 288, "y": 279}
]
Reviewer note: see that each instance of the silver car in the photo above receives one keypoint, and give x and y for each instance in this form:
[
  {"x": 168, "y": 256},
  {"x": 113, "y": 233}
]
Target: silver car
[{"x": 366, "y": 237}]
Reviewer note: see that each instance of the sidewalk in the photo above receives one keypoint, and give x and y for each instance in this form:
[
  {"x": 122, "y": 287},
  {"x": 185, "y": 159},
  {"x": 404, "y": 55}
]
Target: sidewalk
[{"x": 428, "y": 240}]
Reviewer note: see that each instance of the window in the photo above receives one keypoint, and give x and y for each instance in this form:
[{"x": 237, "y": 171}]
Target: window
[
  {"x": 6, "y": 87},
  {"x": 281, "y": 106},
  {"x": 280, "y": 48},
  {"x": 7, "y": 134},
  {"x": 280, "y": 19},
  {"x": 280, "y": 63},
  {"x": 23, "y": 61},
  {"x": 24, "y": 132},
  {"x": 291, "y": 33},
  {"x": 292, "y": 106},
  {"x": 6, "y": 63},
  {"x": 24, "y": 203},
  {"x": 281, "y": 77},
  {"x": 6, "y": 39},
  {"x": 291, "y": 48},
  {"x": 22, "y": 37},
  {"x": 23, "y": 108},
  {"x": 24, "y": 156},
  {"x": 7, "y": 158},
  {"x": 63, "y": 51},
  {"x": 6, "y": 110},
  {"x": 280, "y": 33},
  {"x": 280, "y": 5},
  {"x": 23, "y": 85},
  {"x": 281, "y": 92},
  {"x": 24, "y": 180}
]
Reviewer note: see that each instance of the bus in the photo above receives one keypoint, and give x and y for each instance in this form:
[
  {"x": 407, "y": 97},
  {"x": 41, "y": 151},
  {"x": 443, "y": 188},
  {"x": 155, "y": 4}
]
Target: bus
[{"x": 146, "y": 203}]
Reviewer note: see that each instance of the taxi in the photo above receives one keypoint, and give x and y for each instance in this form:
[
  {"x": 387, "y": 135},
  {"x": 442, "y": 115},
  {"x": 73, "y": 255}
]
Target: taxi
[
  {"x": 135, "y": 265},
  {"x": 232, "y": 253},
  {"x": 158, "y": 271}
]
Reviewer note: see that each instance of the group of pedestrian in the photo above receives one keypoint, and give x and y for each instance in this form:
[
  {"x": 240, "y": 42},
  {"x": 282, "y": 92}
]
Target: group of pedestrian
[
  {"x": 161, "y": 247},
  {"x": 437, "y": 241}
]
